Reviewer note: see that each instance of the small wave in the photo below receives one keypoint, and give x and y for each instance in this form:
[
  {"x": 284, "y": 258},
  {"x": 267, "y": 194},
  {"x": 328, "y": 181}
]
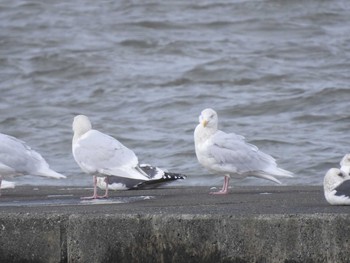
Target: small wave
[
  {"x": 214, "y": 24},
  {"x": 9, "y": 120},
  {"x": 206, "y": 6},
  {"x": 208, "y": 75},
  {"x": 161, "y": 25},
  {"x": 310, "y": 117},
  {"x": 343, "y": 118},
  {"x": 176, "y": 82},
  {"x": 331, "y": 92},
  {"x": 136, "y": 43}
]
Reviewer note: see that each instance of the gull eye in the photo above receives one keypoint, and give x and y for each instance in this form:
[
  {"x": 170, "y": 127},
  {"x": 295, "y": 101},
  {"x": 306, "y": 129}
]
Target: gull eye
[{"x": 340, "y": 174}]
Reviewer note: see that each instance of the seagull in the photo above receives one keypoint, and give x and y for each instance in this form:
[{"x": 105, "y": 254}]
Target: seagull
[
  {"x": 101, "y": 155},
  {"x": 17, "y": 158},
  {"x": 229, "y": 154},
  {"x": 336, "y": 185}
]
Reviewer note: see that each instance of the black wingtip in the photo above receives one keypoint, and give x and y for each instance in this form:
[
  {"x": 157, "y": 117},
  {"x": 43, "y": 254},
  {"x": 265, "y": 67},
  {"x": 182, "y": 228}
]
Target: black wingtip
[
  {"x": 173, "y": 176},
  {"x": 167, "y": 177}
]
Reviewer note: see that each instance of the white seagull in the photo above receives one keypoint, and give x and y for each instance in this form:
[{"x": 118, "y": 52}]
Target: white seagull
[
  {"x": 17, "y": 158},
  {"x": 229, "y": 154},
  {"x": 101, "y": 155},
  {"x": 336, "y": 185}
]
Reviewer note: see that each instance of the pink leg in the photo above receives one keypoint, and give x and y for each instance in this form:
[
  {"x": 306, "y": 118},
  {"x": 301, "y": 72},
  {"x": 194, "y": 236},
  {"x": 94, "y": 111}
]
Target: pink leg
[
  {"x": 94, "y": 196},
  {"x": 224, "y": 189}
]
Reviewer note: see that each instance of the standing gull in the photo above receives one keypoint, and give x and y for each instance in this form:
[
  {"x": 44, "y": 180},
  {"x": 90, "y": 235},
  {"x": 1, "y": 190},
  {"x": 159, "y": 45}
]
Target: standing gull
[
  {"x": 229, "y": 154},
  {"x": 17, "y": 158},
  {"x": 336, "y": 185},
  {"x": 101, "y": 155}
]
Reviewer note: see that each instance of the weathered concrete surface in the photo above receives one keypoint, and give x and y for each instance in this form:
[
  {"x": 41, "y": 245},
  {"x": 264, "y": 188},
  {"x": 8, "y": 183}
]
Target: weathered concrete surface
[
  {"x": 252, "y": 224},
  {"x": 33, "y": 238},
  {"x": 206, "y": 238}
]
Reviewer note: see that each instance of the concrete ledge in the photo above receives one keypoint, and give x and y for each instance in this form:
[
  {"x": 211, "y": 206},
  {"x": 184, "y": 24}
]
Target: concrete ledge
[
  {"x": 176, "y": 225},
  {"x": 33, "y": 238},
  {"x": 207, "y": 238}
]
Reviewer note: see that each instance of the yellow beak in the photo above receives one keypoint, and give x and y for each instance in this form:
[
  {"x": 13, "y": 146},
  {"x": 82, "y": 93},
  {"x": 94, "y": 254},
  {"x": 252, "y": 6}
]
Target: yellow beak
[{"x": 204, "y": 123}]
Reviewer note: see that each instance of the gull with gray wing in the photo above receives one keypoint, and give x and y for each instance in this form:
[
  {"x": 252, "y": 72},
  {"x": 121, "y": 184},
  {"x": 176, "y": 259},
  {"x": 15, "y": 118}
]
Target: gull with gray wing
[
  {"x": 229, "y": 154},
  {"x": 17, "y": 158},
  {"x": 101, "y": 155},
  {"x": 336, "y": 186}
]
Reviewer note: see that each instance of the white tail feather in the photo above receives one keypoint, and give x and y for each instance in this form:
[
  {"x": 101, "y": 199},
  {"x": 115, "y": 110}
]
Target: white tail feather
[
  {"x": 47, "y": 172},
  {"x": 270, "y": 173},
  {"x": 279, "y": 172}
]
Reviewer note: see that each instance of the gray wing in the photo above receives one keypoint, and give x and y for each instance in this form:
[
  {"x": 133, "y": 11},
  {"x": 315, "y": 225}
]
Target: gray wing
[
  {"x": 343, "y": 189},
  {"x": 18, "y": 156},
  {"x": 232, "y": 153},
  {"x": 152, "y": 172},
  {"x": 99, "y": 152}
]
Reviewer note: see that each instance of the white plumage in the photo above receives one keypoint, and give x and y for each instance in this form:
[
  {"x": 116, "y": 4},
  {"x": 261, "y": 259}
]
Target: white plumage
[
  {"x": 336, "y": 185},
  {"x": 229, "y": 154},
  {"x": 17, "y": 158},
  {"x": 99, "y": 154}
]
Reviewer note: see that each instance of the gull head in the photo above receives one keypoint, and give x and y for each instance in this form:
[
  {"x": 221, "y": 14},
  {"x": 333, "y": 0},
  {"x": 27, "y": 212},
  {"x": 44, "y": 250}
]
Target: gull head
[
  {"x": 345, "y": 165},
  {"x": 81, "y": 124},
  {"x": 333, "y": 178},
  {"x": 208, "y": 118},
  {"x": 346, "y": 160}
]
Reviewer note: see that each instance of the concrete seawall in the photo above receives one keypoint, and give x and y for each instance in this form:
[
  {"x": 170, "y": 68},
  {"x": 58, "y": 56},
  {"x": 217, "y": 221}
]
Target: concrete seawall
[{"x": 252, "y": 224}]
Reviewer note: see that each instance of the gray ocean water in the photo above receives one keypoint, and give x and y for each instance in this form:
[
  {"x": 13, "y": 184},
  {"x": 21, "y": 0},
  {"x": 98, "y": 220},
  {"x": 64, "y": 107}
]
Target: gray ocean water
[{"x": 277, "y": 72}]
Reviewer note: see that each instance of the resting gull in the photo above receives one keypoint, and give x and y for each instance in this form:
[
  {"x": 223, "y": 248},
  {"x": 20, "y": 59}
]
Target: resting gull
[
  {"x": 336, "y": 185},
  {"x": 17, "y": 158},
  {"x": 229, "y": 154},
  {"x": 101, "y": 155}
]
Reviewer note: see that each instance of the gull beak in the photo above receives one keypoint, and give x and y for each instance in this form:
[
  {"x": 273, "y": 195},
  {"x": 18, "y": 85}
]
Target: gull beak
[{"x": 204, "y": 123}]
